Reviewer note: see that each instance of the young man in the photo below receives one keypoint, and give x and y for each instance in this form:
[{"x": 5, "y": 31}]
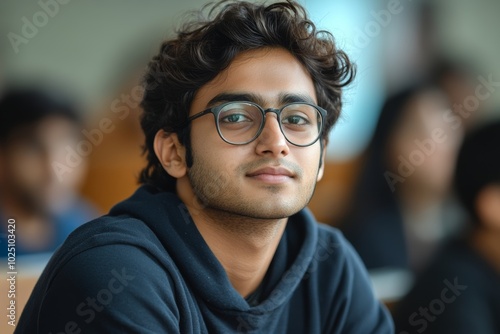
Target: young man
[
  {"x": 460, "y": 292},
  {"x": 237, "y": 111}
]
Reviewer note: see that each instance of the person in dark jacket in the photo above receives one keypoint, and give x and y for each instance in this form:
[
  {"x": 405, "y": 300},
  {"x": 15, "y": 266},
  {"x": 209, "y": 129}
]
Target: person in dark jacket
[{"x": 237, "y": 110}]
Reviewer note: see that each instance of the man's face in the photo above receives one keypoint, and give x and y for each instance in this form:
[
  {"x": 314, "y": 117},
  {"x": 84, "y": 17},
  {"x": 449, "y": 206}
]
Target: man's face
[
  {"x": 27, "y": 172},
  {"x": 268, "y": 178}
]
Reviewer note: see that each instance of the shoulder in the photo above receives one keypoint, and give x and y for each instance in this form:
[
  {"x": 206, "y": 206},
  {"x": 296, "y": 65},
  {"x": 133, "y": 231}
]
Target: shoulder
[
  {"x": 111, "y": 274},
  {"x": 109, "y": 287},
  {"x": 345, "y": 282},
  {"x": 110, "y": 230},
  {"x": 96, "y": 250},
  {"x": 111, "y": 270}
]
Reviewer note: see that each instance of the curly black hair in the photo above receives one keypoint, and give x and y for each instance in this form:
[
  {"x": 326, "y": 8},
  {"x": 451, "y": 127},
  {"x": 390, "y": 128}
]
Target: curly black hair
[{"x": 206, "y": 45}]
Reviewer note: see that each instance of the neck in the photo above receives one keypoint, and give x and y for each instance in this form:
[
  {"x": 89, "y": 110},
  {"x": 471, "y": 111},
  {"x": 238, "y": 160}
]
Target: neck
[
  {"x": 487, "y": 244},
  {"x": 244, "y": 246}
]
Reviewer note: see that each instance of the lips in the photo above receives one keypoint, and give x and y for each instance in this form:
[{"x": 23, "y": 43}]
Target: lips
[
  {"x": 277, "y": 171},
  {"x": 271, "y": 175}
]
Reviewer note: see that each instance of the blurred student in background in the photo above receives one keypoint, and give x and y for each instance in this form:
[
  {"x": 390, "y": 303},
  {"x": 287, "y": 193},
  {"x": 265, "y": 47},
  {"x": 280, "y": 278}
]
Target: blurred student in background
[
  {"x": 36, "y": 130},
  {"x": 401, "y": 211},
  {"x": 460, "y": 291}
]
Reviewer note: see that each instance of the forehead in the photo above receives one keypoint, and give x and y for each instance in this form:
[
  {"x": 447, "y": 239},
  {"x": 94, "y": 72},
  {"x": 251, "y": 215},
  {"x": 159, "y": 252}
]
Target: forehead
[
  {"x": 49, "y": 129},
  {"x": 268, "y": 73},
  {"x": 426, "y": 109}
]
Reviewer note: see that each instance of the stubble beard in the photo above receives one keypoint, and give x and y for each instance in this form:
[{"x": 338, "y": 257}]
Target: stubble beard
[{"x": 223, "y": 201}]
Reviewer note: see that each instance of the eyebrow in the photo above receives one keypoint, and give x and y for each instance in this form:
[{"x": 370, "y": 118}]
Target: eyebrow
[
  {"x": 232, "y": 97},
  {"x": 283, "y": 98},
  {"x": 293, "y": 98}
]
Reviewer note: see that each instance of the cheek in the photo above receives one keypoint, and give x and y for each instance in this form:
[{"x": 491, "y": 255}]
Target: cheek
[
  {"x": 211, "y": 151},
  {"x": 309, "y": 161}
]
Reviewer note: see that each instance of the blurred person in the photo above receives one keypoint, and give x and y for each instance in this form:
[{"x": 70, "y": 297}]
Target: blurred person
[
  {"x": 460, "y": 291},
  {"x": 35, "y": 128},
  {"x": 237, "y": 110},
  {"x": 401, "y": 211}
]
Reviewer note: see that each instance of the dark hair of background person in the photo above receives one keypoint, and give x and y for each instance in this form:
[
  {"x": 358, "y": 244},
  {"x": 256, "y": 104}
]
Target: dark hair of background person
[
  {"x": 21, "y": 107},
  {"x": 478, "y": 165},
  {"x": 373, "y": 198},
  {"x": 207, "y": 45}
]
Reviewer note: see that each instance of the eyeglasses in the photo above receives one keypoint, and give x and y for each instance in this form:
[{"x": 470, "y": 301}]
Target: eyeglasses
[{"x": 239, "y": 123}]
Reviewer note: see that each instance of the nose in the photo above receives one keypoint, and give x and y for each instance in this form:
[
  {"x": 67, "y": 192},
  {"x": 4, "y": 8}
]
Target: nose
[{"x": 271, "y": 141}]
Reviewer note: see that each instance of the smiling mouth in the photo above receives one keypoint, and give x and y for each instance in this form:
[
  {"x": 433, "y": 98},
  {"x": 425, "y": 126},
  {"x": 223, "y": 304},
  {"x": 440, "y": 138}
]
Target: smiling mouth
[{"x": 273, "y": 175}]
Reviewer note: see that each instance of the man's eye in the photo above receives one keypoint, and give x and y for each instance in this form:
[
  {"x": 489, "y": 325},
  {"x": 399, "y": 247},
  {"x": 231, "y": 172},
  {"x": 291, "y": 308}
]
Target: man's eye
[
  {"x": 295, "y": 120},
  {"x": 235, "y": 118}
]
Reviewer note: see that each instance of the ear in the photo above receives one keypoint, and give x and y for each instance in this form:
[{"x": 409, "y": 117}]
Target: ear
[
  {"x": 171, "y": 153},
  {"x": 322, "y": 162},
  {"x": 488, "y": 207}
]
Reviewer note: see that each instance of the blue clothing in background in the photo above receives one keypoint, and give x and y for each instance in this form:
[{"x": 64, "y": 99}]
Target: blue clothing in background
[
  {"x": 145, "y": 268},
  {"x": 64, "y": 223}
]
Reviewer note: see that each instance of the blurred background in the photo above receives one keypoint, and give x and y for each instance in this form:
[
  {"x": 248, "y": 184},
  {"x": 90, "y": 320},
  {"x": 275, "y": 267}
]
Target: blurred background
[{"x": 431, "y": 68}]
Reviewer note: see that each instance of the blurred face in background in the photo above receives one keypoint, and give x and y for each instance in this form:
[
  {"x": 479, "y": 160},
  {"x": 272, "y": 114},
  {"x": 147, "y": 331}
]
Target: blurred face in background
[
  {"x": 27, "y": 175},
  {"x": 422, "y": 117}
]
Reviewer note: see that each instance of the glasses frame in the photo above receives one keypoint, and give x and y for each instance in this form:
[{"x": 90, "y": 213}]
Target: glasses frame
[{"x": 215, "y": 111}]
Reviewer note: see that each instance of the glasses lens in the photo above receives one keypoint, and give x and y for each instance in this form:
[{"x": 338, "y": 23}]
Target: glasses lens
[
  {"x": 301, "y": 123},
  {"x": 239, "y": 122}
]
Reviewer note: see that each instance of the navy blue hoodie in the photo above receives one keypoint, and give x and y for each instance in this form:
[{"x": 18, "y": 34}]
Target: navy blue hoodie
[{"x": 145, "y": 268}]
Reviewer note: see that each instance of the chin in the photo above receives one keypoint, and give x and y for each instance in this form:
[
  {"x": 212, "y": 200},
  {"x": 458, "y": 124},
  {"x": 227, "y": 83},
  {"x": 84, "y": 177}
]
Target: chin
[{"x": 274, "y": 210}]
